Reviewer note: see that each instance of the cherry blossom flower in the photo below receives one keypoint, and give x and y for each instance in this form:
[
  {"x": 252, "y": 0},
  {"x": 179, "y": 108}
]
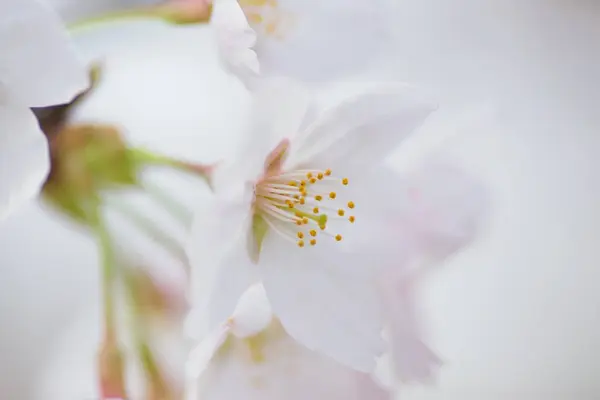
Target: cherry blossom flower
[
  {"x": 309, "y": 40},
  {"x": 250, "y": 356},
  {"x": 38, "y": 68},
  {"x": 284, "y": 214}
]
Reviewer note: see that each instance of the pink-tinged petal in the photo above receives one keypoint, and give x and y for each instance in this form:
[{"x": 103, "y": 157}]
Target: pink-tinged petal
[
  {"x": 39, "y": 66},
  {"x": 221, "y": 267},
  {"x": 200, "y": 358},
  {"x": 362, "y": 130},
  {"x": 412, "y": 359},
  {"x": 447, "y": 207},
  {"x": 326, "y": 300},
  {"x": 273, "y": 366},
  {"x": 24, "y": 158},
  {"x": 235, "y": 39},
  {"x": 277, "y": 112}
]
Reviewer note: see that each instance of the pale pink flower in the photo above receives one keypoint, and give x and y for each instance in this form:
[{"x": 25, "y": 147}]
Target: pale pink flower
[{"x": 284, "y": 214}]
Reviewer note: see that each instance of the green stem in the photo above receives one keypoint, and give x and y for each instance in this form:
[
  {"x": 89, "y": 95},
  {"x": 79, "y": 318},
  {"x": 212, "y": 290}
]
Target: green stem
[
  {"x": 170, "y": 204},
  {"x": 146, "y": 157},
  {"x": 149, "y": 227},
  {"x": 126, "y": 15},
  {"x": 108, "y": 272}
]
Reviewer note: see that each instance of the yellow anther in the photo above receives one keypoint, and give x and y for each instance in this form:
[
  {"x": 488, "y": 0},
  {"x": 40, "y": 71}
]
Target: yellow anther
[
  {"x": 318, "y": 197},
  {"x": 305, "y": 220},
  {"x": 313, "y": 233},
  {"x": 328, "y": 172},
  {"x": 313, "y": 180},
  {"x": 332, "y": 195},
  {"x": 323, "y": 227},
  {"x": 302, "y": 183},
  {"x": 299, "y": 222},
  {"x": 292, "y": 183},
  {"x": 320, "y": 175},
  {"x": 309, "y": 175},
  {"x": 298, "y": 214},
  {"x": 313, "y": 242},
  {"x": 350, "y": 204},
  {"x": 338, "y": 237},
  {"x": 341, "y": 212},
  {"x": 351, "y": 218},
  {"x": 300, "y": 235},
  {"x": 316, "y": 210},
  {"x": 296, "y": 196},
  {"x": 300, "y": 243},
  {"x": 345, "y": 181},
  {"x": 302, "y": 201},
  {"x": 290, "y": 205}
]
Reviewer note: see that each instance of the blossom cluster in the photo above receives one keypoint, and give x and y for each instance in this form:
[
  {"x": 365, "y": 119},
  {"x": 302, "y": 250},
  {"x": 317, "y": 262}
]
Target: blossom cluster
[{"x": 306, "y": 256}]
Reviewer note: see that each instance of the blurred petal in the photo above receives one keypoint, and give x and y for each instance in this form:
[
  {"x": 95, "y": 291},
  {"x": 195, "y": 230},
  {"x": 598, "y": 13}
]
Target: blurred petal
[
  {"x": 24, "y": 162},
  {"x": 365, "y": 128},
  {"x": 412, "y": 359},
  {"x": 200, "y": 358},
  {"x": 272, "y": 366},
  {"x": 328, "y": 304},
  {"x": 39, "y": 66},
  {"x": 235, "y": 39},
  {"x": 447, "y": 207}
]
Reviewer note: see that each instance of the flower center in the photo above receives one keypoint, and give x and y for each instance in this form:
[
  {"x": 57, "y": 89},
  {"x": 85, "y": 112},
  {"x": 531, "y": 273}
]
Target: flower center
[{"x": 301, "y": 205}]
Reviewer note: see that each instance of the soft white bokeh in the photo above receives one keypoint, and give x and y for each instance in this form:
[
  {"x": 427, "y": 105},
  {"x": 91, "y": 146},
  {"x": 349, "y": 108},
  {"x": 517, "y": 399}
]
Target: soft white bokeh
[{"x": 515, "y": 316}]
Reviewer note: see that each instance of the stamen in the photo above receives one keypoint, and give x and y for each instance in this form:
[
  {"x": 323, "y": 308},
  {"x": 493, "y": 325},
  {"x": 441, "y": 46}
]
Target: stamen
[
  {"x": 351, "y": 218},
  {"x": 332, "y": 195},
  {"x": 328, "y": 172},
  {"x": 300, "y": 243},
  {"x": 338, "y": 237},
  {"x": 345, "y": 181},
  {"x": 318, "y": 197},
  {"x": 341, "y": 212},
  {"x": 316, "y": 210},
  {"x": 313, "y": 233},
  {"x": 313, "y": 242},
  {"x": 300, "y": 235},
  {"x": 350, "y": 205}
]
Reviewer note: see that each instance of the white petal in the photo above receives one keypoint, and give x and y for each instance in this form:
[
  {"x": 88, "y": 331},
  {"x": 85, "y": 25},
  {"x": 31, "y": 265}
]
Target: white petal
[
  {"x": 319, "y": 40},
  {"x": 365, "y": 128},
  {"x": 446, "y": 207},
  {"x": 278, "y": 109},
  {"x": 252, "y": 314},
  {"x": 221, "y": 269},
  {"x": 24, "y": 162},
  {"x": 200, "y": 357},
  {"x": 39, "y": 66},
  {"x": 329, "y": 304},
  {"x": 273, "y": 366},
  {"x": 235, "y": 39},
  {"x": 412, "y": 359}
]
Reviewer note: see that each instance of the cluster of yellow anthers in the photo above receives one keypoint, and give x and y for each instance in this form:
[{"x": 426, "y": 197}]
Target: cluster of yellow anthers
[
  {"x": 299, "y": 204},
  {"x": 263, "y": 14}
]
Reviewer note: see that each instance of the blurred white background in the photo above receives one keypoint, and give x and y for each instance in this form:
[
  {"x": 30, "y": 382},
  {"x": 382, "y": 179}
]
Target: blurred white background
[{"x": 515, "y": 316}]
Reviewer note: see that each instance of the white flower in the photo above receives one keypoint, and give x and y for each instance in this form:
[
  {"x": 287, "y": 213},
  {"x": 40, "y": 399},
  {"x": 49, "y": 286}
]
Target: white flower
[
  {"x": 310, "y": 39},
  {"x": 37, "y": 68},
  {"x": 284, "y": 214},
  {"x": 252, "y": 357}
]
